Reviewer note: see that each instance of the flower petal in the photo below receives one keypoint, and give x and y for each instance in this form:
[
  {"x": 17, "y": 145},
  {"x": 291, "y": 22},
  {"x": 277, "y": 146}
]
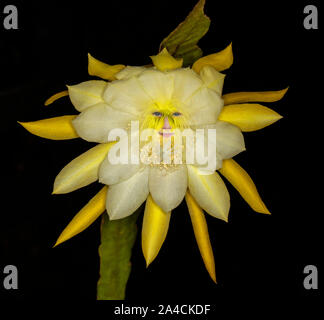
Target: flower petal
[
  {"x": 158, "y": 85},
  {"x": 125, "y": 198},
  {"x": 85, "y": 217},
  {"x": 225, "y": 142},
  {"x": 127, "y": 95},
  {"x": 154, "y": 230},
  {"x": 58, "y": 128},
  {"x": 229, "y": 140},
  {"x": 164, "y": 61},
  {"x": 103, "y": 70},
  {"x": 199, "y": 224},
  {"x": 249, "y": 116},
  {"x": 56, "y": 96},
  {"x": 220, "y": 61},
  {"x": 203, "y": 107},
  {"x": 186, "y": 84},
  {"x": 243, "y": 183},
  {"x": 262, "y": 96},
  {"x": 87, "y": 94},
  {"x": 210, "y": 193},
  {"x": 95, "y": 123},
  {"x": 129, "y": 72},
  {"x": 115, "y": 173},
  {"x": 81, "y": 171},
  {"x": 168, "y": 186},
  {"x": 212, "y": 78}
]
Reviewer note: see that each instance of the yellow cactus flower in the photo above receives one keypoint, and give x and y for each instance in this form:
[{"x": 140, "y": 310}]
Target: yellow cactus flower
[{"x": 139, "y": 119}]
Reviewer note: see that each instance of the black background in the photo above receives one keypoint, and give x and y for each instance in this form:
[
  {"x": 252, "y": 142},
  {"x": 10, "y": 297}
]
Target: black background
[{"x": 257, "y": 256}]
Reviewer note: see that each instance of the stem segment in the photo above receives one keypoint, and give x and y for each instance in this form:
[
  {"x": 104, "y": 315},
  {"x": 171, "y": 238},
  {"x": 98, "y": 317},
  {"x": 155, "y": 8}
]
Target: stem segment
[{"x": 117, "y": 240}]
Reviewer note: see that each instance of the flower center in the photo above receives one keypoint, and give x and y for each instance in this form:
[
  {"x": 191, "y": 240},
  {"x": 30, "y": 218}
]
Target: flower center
[{"x": 166, "y": 121}]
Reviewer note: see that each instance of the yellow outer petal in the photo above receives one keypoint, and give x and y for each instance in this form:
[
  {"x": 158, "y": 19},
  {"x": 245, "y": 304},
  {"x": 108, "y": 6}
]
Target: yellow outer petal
[
  {"x": 154, "y": 230},
  {"x": 58, "y": 128},
  {"x": 220, "y": 61},
  {"x": 202, "y": 236},
  {"x": 81, "y": 171},
  {"x": 262, "y": 96},
  {"x": 56, "y": 96},
  {"x": 249, "y": 116},
  {"x": 243, "y": 183},
  {"x": 85, "y": 217},
  {"x": 164, "y": 61},
  {"x": 103, "y": 70}
]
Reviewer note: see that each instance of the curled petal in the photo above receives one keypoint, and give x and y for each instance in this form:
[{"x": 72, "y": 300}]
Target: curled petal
[
  {"x": 58, "y": 128},
  {"x": 212, "y": 78},
  {"x": 262, "y": 96},
  {"x": 95, "y": 123},
  {"x": 103, "y": 70},
  {"x": 81, "y": 171},
  {"x": 243, "y": 183},
  {"x": 168, "y": 186},
  {"x": 249, "y": 116},
  {"x": 200, "y": 228},
  {"x": 87, "y": 94},
  {"x": 126, "y": 197},
  {"x": 220, "y": 61},
  {"x": 164, "y": 61},
  {"x": 154, "y": 230},
  {"x": 210, "y": 192},
  {"x": 56, "y": 96},
  {"x": 85, "y": 217}
]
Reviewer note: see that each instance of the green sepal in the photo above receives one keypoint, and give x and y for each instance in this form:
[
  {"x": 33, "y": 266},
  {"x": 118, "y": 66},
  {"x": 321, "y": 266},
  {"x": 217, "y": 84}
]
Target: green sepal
[{"x": 182, "y": 42}]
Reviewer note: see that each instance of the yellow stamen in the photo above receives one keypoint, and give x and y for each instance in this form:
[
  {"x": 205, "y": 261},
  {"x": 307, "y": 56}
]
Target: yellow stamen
[
  {"x": 243, "y": 183},
  {"x": 56, "y": 96},
  {"x": 164, "y": 61},
  {"x": 202, "y": 236},
  {"x": 154, "y": 230},
  {"x": 220, "y": 61},
  {"x": 249, "y": 116},
  {"x": 262, "y": 96},
  {"x": 58, "y": 128},
  {"x": 103, "y": 70},
  {"x": 85, "y": 217}
]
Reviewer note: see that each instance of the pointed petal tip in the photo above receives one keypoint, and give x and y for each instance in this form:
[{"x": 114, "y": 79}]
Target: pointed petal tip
[
  {"x": 58, "y": 241},
  {"x": 262, "y": 208},
  {"x": 22, "y": 123},
  {"x": 265, "y": 211},
  {"x": 55, "y": 191},
  {"x": 25, "y": 125}
]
